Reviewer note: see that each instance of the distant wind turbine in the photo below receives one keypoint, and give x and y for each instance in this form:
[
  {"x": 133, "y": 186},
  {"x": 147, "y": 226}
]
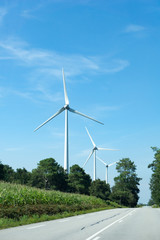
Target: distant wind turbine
[
  {"x": 94, "y": 149},
  {"x": 66, "y": 108},
  {"x": 107, "y": 165}
]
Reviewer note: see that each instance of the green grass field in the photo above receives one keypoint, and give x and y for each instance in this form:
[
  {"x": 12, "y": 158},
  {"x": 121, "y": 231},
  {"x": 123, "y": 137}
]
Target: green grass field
[
  {"x": 23, "y": 205},
  {"x": 18, "y": 195}
]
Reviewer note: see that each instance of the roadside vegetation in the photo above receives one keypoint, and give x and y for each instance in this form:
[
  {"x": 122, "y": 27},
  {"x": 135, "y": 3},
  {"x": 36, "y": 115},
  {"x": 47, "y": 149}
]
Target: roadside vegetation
[
  {"x": 49, "y": 193},
  {"x": 155, "y": 179},
  {"x": 23, "y": 205}
]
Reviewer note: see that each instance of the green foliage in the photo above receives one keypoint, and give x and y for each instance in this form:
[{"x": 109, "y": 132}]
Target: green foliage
[
  {"x": 78, "y": 180},
  {"x": 1, "y": 171},
  {"x": 100, "y": 189},
  {"x": 21, "y": 205},
  {"x": 49, "y": 175},
  {"x": 22, "y": 176},
  {"x": 21, "y": 202},
  {"x": 113, "y": 204},
  {"x": 18, "y": 195},
  {"x": 155, "y": 178},
  {"x": 9, "y": 174},
  {"x": 17, "y": 212},
  {"x": 150, "y": 202},
  {"x": 126, "y": 189}
]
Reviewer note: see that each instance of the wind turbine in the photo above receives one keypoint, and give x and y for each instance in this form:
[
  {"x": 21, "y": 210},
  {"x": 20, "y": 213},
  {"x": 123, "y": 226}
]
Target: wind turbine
[
  {"x": 66, "y": 108},
  {"x": 107, "y": 165},
  {"x": 94, "y": 149}
]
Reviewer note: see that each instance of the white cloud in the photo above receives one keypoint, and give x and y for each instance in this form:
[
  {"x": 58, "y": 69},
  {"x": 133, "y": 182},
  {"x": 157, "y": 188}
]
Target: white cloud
[
  {"x": 47, "y": 65},
  {"x": 116, "y": 65},
  {"x": 49, "y": 96},
  {"x": 41, "y": 94},
  {"x": 52, "y": 62},
  {"x": 31, "y": 13},
  {"x": 134, "y": 28},
  {"x": 27, "y": 14}
]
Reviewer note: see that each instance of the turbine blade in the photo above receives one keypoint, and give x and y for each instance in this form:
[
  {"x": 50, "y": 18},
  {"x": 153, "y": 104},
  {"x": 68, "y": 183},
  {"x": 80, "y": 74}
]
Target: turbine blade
[
  {"x": 90, "y": 137},
  {"x": 65, "y": 90},
  {"x": 57, "y": 113},
  {"x": 101, "y": 161},
  {"x": 75, "y": 111},
  {"x": 107, "y": 149},
  {"x": 112, "y": 164},
  {"x": 88, "y": 157}
]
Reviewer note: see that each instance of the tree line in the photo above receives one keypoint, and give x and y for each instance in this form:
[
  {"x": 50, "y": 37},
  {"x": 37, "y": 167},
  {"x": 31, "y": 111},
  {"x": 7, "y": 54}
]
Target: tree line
[
  {"x": 155, "y": 178},
  {"x": 50, "y": 175}
]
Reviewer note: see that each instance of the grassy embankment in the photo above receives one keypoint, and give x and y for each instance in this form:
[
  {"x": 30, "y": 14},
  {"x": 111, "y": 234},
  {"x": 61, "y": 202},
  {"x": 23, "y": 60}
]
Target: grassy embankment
[{"x": 21, "y": 205}]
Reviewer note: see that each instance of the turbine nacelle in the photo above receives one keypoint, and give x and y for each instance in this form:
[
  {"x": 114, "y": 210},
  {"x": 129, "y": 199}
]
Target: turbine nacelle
[
  {"x": 66, "y": 106},
  {"x": 95, "y": 148}
]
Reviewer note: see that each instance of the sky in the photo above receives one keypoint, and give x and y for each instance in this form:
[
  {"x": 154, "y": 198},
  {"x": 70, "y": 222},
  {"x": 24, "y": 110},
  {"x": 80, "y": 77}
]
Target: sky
[{"x": 110, "y": 54}]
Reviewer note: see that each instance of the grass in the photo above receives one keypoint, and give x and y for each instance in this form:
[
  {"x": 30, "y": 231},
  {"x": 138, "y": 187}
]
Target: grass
[
  {"x": 19, "y": 195},
  {"x": 20, "y": 205},
  {"x": 25, "y": 220},
  {"x": 155, "y": 206}
]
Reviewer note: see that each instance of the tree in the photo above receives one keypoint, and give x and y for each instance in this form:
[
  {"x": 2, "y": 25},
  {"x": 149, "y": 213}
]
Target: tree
[
  {"x": 100, "y": 189},
  {"x": 78, "y": 180},
  {"x": 50, "y": 175},
  {"x": 1, "y": 171},
  {"x": 37, "y": 179},
  {"x": 126, "y": 189},
  {"x": 151, "y": 202},
  {"x": 155, "y": 178},
  {"x": 9, "y": 173},
  {"x": 22, "y": 176}
]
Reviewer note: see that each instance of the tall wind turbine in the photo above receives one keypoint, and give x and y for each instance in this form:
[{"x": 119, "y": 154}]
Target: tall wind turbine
[
  {"x": 66, "y": 108},
  {"x": 107, "y": 165},
  {"x": 94, "y": 149}
]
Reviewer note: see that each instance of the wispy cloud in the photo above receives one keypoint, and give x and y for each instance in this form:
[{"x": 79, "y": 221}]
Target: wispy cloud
[
  {"x": 52, "y": 98},
  {"x": 45, "y": 64},
  {"x": 36, "y": 95},
  {"x": 31, "y": 13},
  {"x": 27, "y": 14},
  {"x": 3, "y": 12},
  {"x": 134, "y": 28},
  {"x": 51, "y": 61}
]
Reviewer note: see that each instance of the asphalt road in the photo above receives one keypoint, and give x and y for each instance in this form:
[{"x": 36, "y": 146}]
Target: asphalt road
[{"x": 121, "y": 224}]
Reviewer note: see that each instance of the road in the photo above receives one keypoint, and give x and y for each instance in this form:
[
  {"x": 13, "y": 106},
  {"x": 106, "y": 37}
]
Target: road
[{"x": 121, "y": 224}]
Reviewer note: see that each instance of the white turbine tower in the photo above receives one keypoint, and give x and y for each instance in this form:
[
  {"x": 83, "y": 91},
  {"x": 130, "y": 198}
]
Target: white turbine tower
[
  {"x": 107, "y": 165},
  {"x": 66, "y": 108},
  {"x": 94, "y": 149}
]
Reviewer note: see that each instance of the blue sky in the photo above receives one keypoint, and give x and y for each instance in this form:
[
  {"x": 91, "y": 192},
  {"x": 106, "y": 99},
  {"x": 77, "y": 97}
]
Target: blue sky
[{"x": 110, "y": 54}]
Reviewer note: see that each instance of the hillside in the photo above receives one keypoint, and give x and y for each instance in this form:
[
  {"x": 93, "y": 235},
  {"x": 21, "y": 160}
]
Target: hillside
[{"x": 17, "y": 201}]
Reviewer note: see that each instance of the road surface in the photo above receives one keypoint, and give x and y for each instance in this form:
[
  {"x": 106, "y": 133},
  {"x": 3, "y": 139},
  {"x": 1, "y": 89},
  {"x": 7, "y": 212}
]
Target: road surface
[{"x": 121, "y": 224}]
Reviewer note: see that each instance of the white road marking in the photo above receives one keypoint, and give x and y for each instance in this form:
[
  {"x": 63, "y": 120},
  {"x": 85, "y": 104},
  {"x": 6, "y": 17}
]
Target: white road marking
[
  {"x": 120, "y": 221},
  {"x": 38, "y": 226},
  {"x": 103, "y": 229}
]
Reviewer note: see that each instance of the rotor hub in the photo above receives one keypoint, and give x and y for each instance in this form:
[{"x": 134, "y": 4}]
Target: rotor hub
[
  {"x": 66, "y": 106},
  {"x": 95, "y": 148}
]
